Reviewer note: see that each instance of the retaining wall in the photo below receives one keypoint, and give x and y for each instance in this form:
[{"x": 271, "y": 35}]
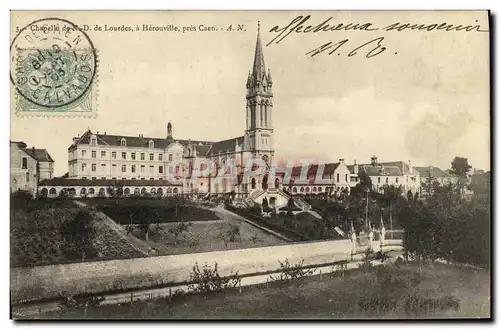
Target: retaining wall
[{"x": 70, "y": 279}]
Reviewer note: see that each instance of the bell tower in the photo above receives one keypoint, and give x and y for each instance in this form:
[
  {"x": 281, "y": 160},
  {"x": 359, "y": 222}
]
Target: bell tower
[{"x": 259, "y": 106}]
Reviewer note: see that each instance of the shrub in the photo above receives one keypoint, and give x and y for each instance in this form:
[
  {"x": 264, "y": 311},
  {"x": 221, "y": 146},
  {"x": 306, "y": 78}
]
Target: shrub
[
  {"x": 207, "y": 279},
  {"x": 292, "y": 272}
]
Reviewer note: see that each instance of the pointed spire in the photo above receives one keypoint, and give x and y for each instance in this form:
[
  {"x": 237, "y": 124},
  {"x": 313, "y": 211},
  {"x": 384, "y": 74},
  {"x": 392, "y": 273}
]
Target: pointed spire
[
  {"x": 269, "y": 79},
  {"x": 259, "y": 68}
]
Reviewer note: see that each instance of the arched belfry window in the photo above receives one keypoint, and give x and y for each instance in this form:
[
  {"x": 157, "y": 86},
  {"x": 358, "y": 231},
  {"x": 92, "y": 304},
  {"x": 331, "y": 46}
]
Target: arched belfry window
[
  {"x": 151, "y": 144},
  {"x": 123, "y": 142}
]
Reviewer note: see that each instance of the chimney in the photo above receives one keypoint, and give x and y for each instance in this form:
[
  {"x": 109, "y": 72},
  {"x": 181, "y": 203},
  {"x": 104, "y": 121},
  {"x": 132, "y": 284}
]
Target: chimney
[
  {"x": 356, "y": 168},
  {"x": 342, "y": 161},
  {"x": 75, "y": 139},
  {"x": 374, "y": 160},
  {"x": 169, "y": 130}
]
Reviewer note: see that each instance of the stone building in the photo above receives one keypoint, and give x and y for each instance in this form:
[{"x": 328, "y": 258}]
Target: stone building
[{"x": 28, "y": 166}]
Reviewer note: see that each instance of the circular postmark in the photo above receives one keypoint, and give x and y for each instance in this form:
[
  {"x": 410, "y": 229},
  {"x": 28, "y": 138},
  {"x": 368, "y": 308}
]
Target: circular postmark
[{"x": 53, "y": 62}]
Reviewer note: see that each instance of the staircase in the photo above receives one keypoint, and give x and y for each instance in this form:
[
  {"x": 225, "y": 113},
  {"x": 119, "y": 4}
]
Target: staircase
[{"x": 300, "y": 202}]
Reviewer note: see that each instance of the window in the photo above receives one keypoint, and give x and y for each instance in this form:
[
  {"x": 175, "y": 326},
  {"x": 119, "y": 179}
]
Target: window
[
  {"x": 151, "y": 179},
  {"x": 25, "y": 163},
  {"x": 151, "y": 144},
  {"x": 113, "y": 168},
  {"x": 170, "y": 157},
  {"x": 103, "y": 177},
  {"x": 94, "y": 154},
  {"x": 94, "y": 178},
  {"x": 132, "y": 155},
  {"x": 124, "y": 155},
  {"x": 113, "y": 155},
  {"x": 397, "y": 179},
  {"x": 160, "y": 157},
  {"x": 27, "y": 177},
  {"x": 387, "y": 180},
  {"x": 84, "y": 166},
  {"x": 160, "y": 169},
  {"x": 143, "y": 178},
  {"x": 151, "y": 169},
  {"x": 132, "y": 168},
  {"x": 124, "y": 168},
  {"x": 142, "y": 168},
  {"x": 346, "y": 178},
  {"x": 142, "y": 156},
  {"x": 378, "y": 180},
  {"x": 103, "y": 167},
  {"x": 93, "y": 140},
  {"x": 84, "y": 177},
  {"x": 151, "y": 156},
  {"x": 123, "y": 142},
  {"x": 83, "y": 153},
  {"x": 113, "y": 177},
  {"x": 103, "y": 154},
  {"x": 94, "y": 167},
  {"x": 338, "y": 178}
]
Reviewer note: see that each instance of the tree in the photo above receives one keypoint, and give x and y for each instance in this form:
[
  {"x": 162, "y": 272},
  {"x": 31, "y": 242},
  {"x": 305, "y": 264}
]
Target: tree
[
  {"x": 365, "y": 183},
  {"x": 290, "y": 206},
  {"x": 145, "y": 219},
  {"x": 178, "y": 229},
  {"x": 80, "y": 232},
  {"x": 460, "y": 168}
]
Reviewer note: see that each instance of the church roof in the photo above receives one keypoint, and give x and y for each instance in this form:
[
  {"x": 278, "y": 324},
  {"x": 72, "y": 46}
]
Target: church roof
[{"x": 225, "y": 146}]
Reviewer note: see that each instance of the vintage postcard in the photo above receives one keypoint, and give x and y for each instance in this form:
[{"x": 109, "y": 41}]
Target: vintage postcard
[{"x": 250, "y": 165}]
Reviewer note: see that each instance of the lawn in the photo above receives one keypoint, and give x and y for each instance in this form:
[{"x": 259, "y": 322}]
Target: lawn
[
  {"x": 206, "y": 236},
  {"x": 127, "y": 210},
  {"x": 440, "y": 291},
  {"x": 36, "y": 236}
]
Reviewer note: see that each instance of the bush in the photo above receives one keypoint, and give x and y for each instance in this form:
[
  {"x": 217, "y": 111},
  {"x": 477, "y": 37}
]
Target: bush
[
  {"x": 207, "y": 279},
  {"x": 292, "y": 272}
]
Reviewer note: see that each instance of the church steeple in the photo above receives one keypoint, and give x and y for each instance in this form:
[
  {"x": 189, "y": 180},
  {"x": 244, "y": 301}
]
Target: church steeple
[
  {"x": 259, "y": 107},
  {"x": 259, "y": 67}
]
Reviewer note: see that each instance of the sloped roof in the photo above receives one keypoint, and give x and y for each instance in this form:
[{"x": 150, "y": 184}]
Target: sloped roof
[
  {"x": 403, "y": 166},
  {"x": 381, "y": 170},
  {"x": 40, "y": 155},
  {"x": 225, "y": 146},
  {"x": 135, "y": 141},
  {"x": 433, "y": 171},
  {"x": 313, "y": 169}
]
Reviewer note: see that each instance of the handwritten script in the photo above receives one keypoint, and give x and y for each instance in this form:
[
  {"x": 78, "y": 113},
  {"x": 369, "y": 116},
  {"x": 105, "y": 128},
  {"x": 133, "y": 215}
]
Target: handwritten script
[{"x": 374, "y": 47}]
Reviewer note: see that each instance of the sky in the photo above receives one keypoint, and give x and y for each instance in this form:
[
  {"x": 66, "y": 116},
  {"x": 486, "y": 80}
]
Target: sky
[{"x": 425, "y": 98}]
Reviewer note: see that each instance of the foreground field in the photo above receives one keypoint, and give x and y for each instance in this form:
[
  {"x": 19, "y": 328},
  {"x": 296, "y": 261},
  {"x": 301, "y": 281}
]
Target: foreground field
[
  {"x": 133, "y": 210},
  {"x": 379, "y": 293},
  {"x": 38, "y": 238},
  {"x": 206, "y": 236}
]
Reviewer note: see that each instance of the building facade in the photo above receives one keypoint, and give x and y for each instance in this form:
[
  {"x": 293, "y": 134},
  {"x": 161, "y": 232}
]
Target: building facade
[
  {"x": 28, "y": 166},
  {"x": 396, "y": 173}
]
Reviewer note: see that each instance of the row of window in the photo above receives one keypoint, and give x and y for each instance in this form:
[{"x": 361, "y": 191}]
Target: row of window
[
  {"x": 133, "y": 168},
  {"x": 123, "y": 142},
  {"x": 126, "y": 191},
  {"x": 133, "y": 155},
  {"x": 123, "y": 178},
  {"x": 387, "y": 180}
]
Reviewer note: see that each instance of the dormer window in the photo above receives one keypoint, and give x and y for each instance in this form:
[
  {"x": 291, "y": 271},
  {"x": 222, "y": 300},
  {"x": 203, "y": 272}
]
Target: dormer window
[
  {"x": 123, "y": 142},
  {"x": 93, "y": 140},
  {"x": 151, "y": 144}
]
